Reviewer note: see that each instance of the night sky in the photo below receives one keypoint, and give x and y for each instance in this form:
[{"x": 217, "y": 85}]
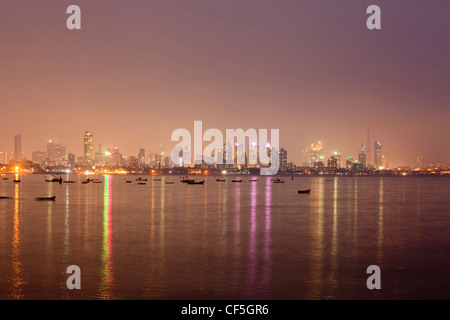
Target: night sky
[{"x": 137, "y": 70}]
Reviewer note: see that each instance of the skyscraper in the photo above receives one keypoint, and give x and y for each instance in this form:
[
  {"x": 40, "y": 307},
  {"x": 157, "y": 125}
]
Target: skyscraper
[
  {"x": 55, "y": 152},
  {"x": 88, "y": 147},
  {"x": 51, "y": 150},
  {"x": 17, "y": 147},
  {"x": 377, "y": 156},
  {"x": 283, "y": 160},
  {"x": 39, "y": 157},
  {"x": 362, "y": 157},
  {"x": 335, "y": 160},
  {"x": 314, "y": 155},
  {"x": 349, "y": 163},
  {"x": 141, "y": 158},
  {"x": 71, "y": 160},
  {"x": 368, "y": 147},
  {"x": 419, "y": 161}
]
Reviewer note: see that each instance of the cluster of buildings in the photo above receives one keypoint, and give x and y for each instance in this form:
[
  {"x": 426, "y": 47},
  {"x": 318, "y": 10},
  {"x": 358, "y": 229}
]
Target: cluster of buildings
[
  {"x": 315, "y": 158},
  {"x": 235, "y": 159}
]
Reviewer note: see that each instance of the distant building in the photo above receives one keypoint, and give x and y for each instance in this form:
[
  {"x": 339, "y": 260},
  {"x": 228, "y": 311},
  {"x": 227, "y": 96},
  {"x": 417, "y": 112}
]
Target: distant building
[
  {"x": 239, "y": 155},
  {"x": 318, "y": 164},
  {"x": 253, "y": 155},
  {"x": 332, "y": 162},
  {"x": 99, "y": 158},
  {"x": 358, "y": 166},
  {"x": 88, "y": 147},
  {"x": 335, "y": 160},
  {"x": 71, "y": 160},
  {"x": 378, "y": 157},
  {"x": 132, "y": 162},
  {"x": 157, "y": 161},
  {"x": 419, "y": 161},
  {"x": 17, "y": 147},
  {"x": 228, "y": 155},
  {"x": 166, "y": 162},
  {"x": 349, "y": 163},
  {"x": 141, "y": 158},
  {"x": 39, "y": 157},
  {"x": 314, "y": 154},
  {"x": 116, "y": 157},
  {"x": 362, "y": 157},
  {"x": 282, "y": 160},
  {"x": 55, "y": 152}
]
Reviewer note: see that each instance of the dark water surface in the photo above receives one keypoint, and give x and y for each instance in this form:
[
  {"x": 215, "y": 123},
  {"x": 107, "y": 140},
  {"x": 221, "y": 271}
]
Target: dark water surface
[{"x": 224, "y": 240}]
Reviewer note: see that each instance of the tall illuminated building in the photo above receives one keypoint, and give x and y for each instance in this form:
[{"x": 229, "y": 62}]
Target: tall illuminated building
[
  {"x": 141, "y": 157},
  {"x": 419, "y": 161},
  {"x": 377, "y": 156},
  {"x": 88, "y": 147},
  {"x": 362, "y": 157},
  {"x": 368, "y": 147},
  {"x": 228, "y": 155},
  {"x": 55, "y": 152},
  {"x": 335, "y": 160},
  {"x": 17, "y": 147},
  {"x": 314, "y": 155},
  {"x": 253, "y": 155},
  {"x": 282, "y": 160},
  {"x": 239, "y": 155},
  {"x": 349, "y": 163}
]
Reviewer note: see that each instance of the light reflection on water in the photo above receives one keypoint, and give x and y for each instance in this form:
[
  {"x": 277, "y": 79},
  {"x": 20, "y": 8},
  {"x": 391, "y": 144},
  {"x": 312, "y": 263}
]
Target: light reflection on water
[
  {"x": 17, "y": 282},
  {"x": 224, "y": 240}
]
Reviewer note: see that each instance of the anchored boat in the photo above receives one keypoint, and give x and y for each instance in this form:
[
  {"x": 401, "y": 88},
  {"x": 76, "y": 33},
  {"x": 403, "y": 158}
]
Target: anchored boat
[{"x": 46, "y": 198}]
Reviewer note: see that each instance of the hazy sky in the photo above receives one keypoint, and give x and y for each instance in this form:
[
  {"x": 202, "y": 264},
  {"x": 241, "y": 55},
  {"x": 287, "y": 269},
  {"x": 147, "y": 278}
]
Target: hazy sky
[{"x": 140, "y": 69}]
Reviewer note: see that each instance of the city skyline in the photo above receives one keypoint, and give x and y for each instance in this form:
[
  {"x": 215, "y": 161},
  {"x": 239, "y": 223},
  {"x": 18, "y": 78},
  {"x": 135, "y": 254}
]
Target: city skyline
[
  {"x": 133, "y": 74},
  {"x": 55, "y": 151},
  {"x": 314, "y": 157}
]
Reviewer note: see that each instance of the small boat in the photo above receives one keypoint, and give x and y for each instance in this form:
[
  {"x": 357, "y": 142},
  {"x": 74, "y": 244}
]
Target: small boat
[
  {"x": 304, "y": 191},
  {"x": 236, "y": 180},
  {"x": 128, "y": 181},
  {"x": 3, "y": 197},
  {"x": 253, "y": 180},
  {"x": 5, "y": 178},
  {"x": 156, "y": 179},
  {"x": 46, "y": 198},
  {"x": 188, "y": 180},
  {"x": 195, "y": 182},
  {"x": 17, "y": 180},
  {"x": 141, "y": 183},
  {"x": 220, "y": 180},
  {"x": 54, "y": 179},
  {"x": 279, "y": 181},
  {"x": 141, "y": 179},
  {"x": 86, "y": 181},
  {"x": 69, "y": 181},
  {"x": 96, "y": 181},
  {"x": 169, "y": 182}
]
